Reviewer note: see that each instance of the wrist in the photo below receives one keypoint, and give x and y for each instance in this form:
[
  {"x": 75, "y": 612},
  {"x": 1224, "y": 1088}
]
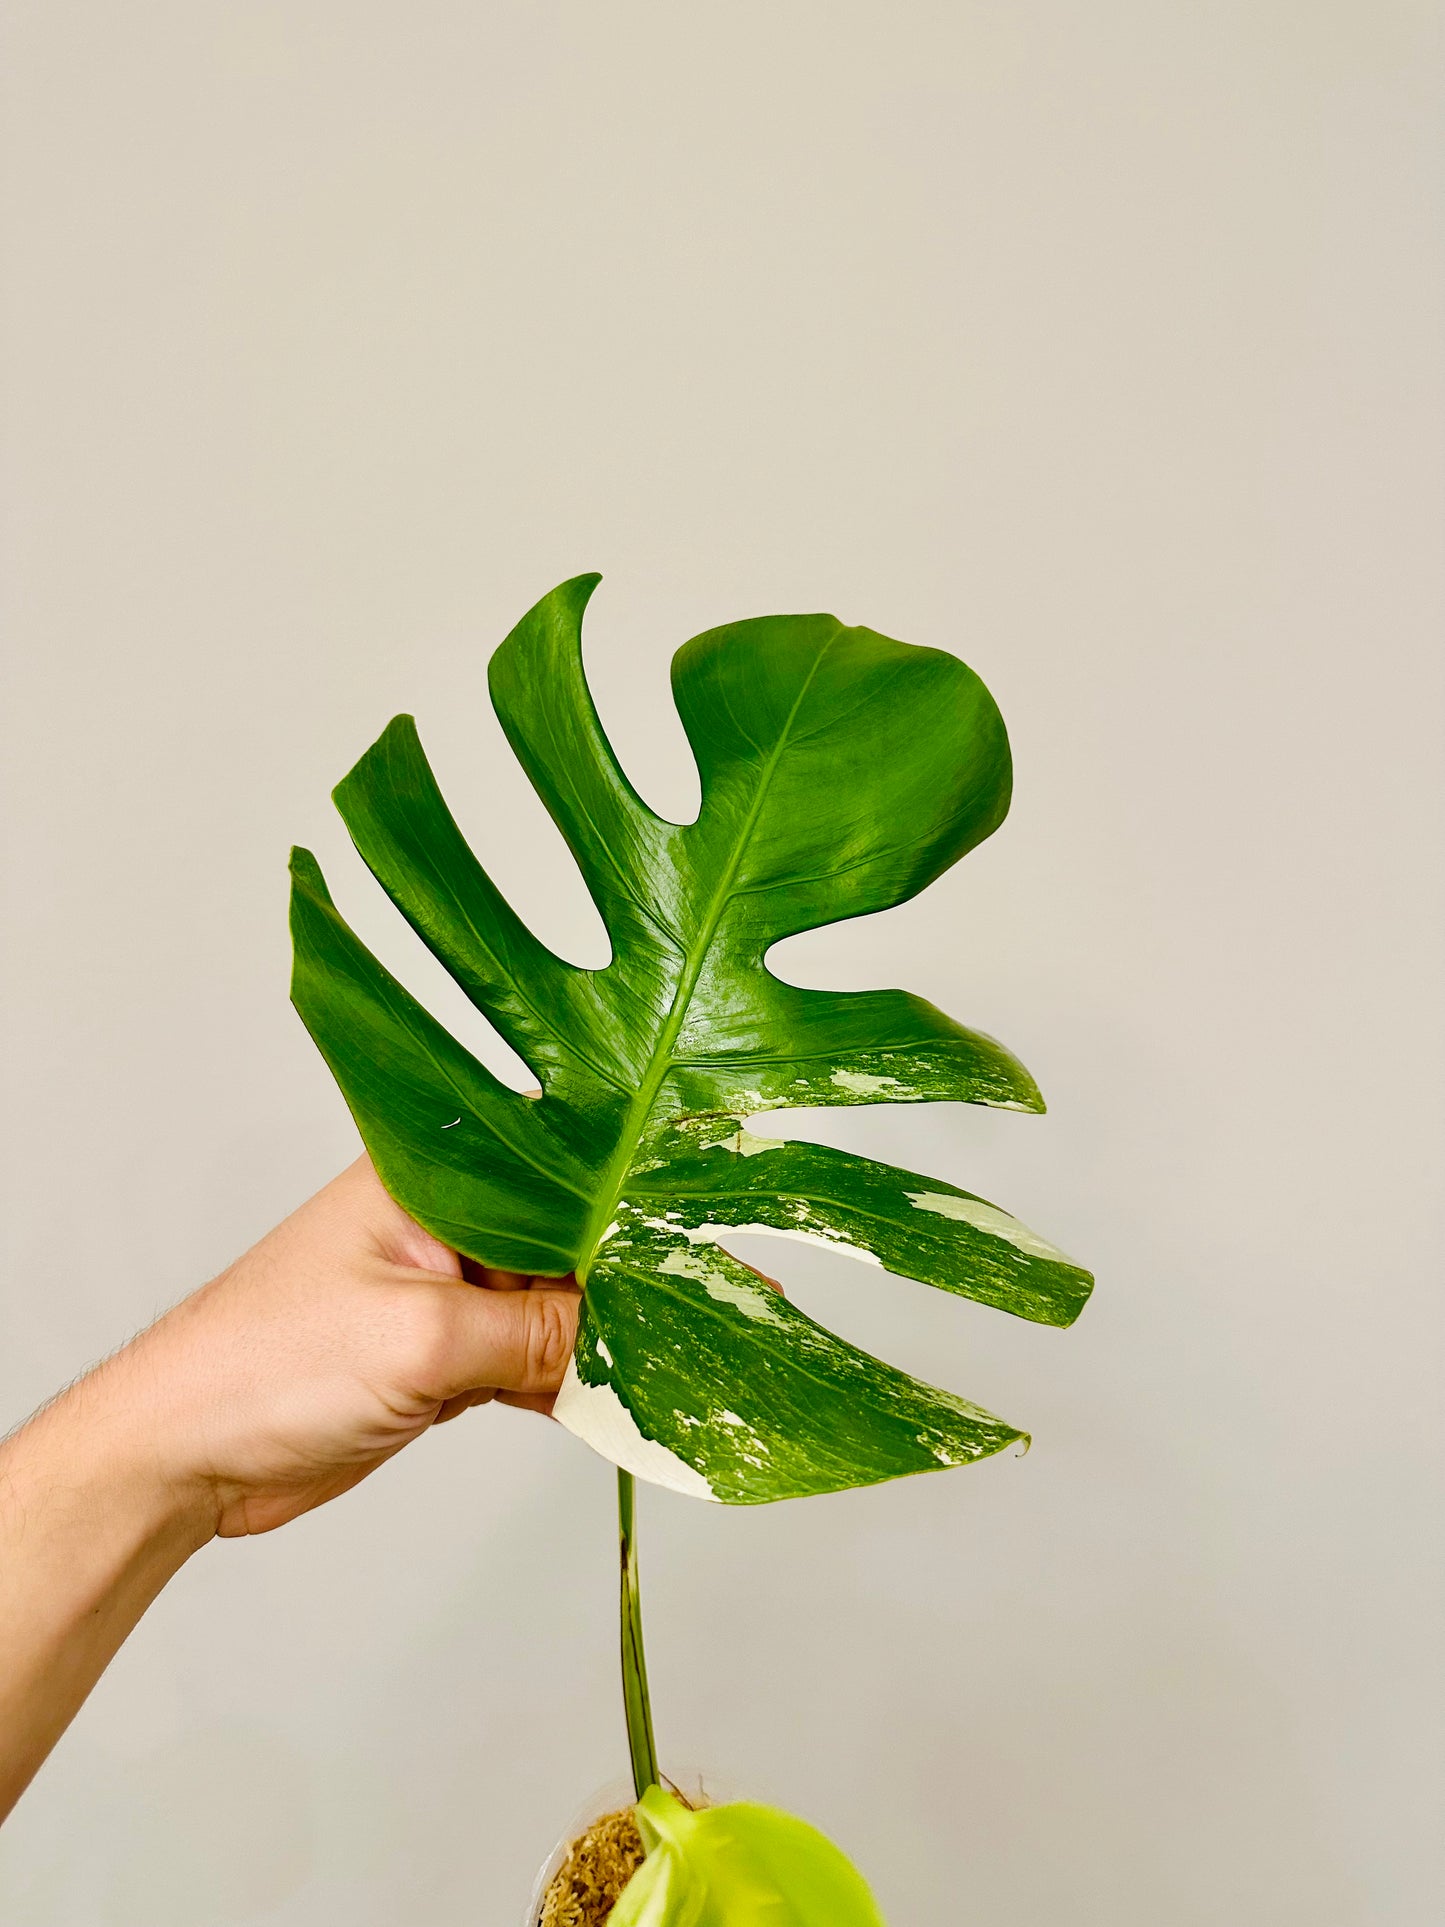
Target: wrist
[{"x": 91, "y": 1463}]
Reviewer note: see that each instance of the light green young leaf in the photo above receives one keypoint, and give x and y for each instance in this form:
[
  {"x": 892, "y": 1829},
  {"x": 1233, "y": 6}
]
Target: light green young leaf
[
  {"x": 739, "y": 1866},
  {"x": 841, "y": 772}
]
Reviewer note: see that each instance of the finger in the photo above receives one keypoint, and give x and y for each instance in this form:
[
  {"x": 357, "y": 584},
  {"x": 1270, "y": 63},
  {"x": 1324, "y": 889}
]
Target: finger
[
  {"x": 513, "y": 1341},
  {"x": 454, "y": 1407},
  {"x": 396, "y": 1235},
  {"x": 496, "y": 1280},
  {"x": 529, "y": 1401}
]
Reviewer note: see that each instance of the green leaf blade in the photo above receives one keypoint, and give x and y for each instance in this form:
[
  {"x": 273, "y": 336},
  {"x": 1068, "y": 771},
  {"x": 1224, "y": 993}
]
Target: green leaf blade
[
  {"x": 773, "y": 1045},
  {"x": 469, "y": 1159},
  {"x": 841, "y": 772},
  {"x": 409, "y": 840},
  {"x": 713, "y": 1176},
  {"x": 625, "y": 850},
  {"x": 839, "y": 747}
]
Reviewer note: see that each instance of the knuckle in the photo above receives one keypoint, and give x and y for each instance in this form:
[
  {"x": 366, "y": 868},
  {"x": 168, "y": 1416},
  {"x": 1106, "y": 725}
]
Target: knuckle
[
  {"x": 422, "y": 1333},
  {"x": 549, "y": 1339}
]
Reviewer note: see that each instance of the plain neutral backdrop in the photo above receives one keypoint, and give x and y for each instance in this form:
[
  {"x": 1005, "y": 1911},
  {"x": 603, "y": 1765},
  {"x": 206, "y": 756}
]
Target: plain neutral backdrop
[{"x": 1098, "y": 342}]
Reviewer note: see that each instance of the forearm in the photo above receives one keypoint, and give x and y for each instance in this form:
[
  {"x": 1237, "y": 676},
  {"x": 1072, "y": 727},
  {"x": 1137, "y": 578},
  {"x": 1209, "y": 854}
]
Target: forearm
[{"x": 90, "y": 1531}]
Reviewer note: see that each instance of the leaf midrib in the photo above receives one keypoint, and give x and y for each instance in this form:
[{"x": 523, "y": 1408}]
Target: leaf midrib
[{"x": 660, "y": 1061}]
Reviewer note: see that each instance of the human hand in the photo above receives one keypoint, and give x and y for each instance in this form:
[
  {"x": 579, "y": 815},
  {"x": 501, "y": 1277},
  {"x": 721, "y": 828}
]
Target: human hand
[
  {"x": 339, "y": 1338},
  {"x": 342, "y": 1336}
]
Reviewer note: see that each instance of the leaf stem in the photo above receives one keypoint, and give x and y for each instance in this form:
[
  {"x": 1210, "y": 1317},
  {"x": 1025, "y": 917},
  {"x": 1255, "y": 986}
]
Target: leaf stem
[{"x": 636, "y": 1701}]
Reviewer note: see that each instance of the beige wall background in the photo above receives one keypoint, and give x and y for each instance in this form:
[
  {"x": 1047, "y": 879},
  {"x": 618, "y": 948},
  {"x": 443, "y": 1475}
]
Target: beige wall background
[{"x": 1100, "y": 343}]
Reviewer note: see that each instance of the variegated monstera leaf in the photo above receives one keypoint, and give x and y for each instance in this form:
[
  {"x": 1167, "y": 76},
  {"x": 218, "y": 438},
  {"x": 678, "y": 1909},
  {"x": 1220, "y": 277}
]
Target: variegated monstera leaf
[{"x": 841, "y": 773}]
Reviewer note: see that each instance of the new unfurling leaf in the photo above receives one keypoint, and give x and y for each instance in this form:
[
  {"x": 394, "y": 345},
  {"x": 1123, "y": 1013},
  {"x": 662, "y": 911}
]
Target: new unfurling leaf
[
  {"x": 738, "y": 1866},
  {"x": 841, "y": 772}
]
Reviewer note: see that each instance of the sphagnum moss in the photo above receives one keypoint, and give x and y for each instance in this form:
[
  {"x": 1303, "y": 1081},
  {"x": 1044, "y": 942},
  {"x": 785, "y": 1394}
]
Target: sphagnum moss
[{"x": 598, "y": 1866}]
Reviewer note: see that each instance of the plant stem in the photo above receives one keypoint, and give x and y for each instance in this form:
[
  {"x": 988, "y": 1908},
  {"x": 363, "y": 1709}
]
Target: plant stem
[{"x": 635, "y": 1699}]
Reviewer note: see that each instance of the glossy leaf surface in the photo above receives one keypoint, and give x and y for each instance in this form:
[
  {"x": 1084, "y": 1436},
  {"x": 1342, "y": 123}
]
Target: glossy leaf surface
[
  {"x": 841, "y": 772},
  {"x": 738, "y": 1865}
]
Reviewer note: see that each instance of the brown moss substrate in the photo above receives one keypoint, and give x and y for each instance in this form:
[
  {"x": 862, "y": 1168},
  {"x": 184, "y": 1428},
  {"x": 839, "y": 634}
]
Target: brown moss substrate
[{"x": 598, "y": 1866}]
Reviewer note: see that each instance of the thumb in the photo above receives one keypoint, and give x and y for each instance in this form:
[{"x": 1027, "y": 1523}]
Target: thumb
[{"x": 507, "y": 1341}]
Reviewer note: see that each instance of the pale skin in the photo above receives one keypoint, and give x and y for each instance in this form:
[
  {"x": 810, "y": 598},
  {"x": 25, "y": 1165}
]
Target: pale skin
[{"x": 341, "y": 1337}]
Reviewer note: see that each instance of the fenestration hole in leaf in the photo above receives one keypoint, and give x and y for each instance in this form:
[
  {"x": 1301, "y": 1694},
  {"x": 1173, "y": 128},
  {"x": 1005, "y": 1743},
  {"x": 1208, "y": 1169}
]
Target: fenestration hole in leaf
[
  {"x": 423, "y": 976},
  {"x": 627, "y": 673}
]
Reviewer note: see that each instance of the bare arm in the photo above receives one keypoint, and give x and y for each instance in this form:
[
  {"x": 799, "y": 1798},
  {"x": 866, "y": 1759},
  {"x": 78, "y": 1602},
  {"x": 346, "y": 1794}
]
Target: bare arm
[{"x": 342, "y": 1336}]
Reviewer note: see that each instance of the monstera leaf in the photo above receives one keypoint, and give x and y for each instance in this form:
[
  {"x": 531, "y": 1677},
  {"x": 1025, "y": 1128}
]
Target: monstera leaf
[
  {"x": 841, "y": 773},
  {"x": 738, "y": 1866}
]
